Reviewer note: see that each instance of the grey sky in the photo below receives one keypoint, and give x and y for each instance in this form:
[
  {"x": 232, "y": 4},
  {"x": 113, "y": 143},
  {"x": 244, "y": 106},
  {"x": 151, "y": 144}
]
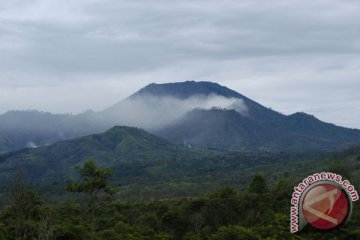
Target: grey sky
[{"x": 69, "y": 56}]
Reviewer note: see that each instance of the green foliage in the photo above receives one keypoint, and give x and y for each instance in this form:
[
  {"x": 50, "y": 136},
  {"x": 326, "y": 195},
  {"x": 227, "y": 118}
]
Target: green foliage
[
  {"x": 25, "y": 217},
  {"x": 258, "y": 210},
  {"x": 234, "y": 233},
  {"x": 258, "y": 185},
  {"x": 95, "y": 181},
  {"x": 225, "y": 214}
]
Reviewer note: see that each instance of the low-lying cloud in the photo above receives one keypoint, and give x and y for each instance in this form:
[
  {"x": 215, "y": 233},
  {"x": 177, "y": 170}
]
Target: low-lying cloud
[
  {"x": 153, "y": 112},
  {"x": 31, "y": 144}
]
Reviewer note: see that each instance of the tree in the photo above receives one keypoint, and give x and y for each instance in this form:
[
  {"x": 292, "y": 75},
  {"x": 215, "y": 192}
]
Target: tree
[
  {"x": 95, "y": 182},
  {"x": 258, "y": 185}
]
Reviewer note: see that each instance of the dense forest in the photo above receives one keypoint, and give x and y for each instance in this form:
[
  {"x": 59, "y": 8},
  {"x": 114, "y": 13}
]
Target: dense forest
[{"x": 94, "y": 209}]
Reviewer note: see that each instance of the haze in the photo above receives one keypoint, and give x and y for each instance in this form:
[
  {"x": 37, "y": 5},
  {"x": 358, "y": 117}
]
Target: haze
[{"x": 144, "y": 111}]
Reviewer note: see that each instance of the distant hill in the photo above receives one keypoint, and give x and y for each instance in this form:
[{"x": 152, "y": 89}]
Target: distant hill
[
  {"x": 148, "y": 166},
  {"x": 119, "y": 147},
  {"x": 144, "y": 165}
]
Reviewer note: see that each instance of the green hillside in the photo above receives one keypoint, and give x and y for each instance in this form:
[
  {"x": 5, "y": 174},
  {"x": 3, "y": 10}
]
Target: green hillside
[
  {"x": 147, "y": 166},
  {"x": 144, "y": 165},
  {"x": 125, "y": 148}
]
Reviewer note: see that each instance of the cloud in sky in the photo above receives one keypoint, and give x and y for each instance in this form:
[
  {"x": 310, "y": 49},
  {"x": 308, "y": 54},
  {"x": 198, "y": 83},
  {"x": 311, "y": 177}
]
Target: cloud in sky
[{"x": 291, "y": 55}]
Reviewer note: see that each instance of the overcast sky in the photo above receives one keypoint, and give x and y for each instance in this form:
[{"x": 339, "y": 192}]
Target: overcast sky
[{"x": 73, "y": 55}]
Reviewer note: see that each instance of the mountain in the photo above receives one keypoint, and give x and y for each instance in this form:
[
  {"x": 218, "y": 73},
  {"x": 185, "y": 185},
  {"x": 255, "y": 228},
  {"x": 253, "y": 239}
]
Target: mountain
[
  {"x": 243, "y": 125},
  {"x": 124, "y": 148},
  {"x": 228, "y": 129},
  {"x": 30, "y": 129},
  {"x": 201, "y": 114},
  {"x": 158, "y": 105},
  {"x": 190, "y": 89},
  {"x": 184, "y": 90}
]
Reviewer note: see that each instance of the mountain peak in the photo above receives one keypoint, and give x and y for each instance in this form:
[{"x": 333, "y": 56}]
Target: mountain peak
[
  {"x": 123, "y": 129},
  {"x": 173, "y": 100},
  {"x": 301, "y": 115},
  {"x": 183, "y": 90},
  {"x": 119, "y": 132}
]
